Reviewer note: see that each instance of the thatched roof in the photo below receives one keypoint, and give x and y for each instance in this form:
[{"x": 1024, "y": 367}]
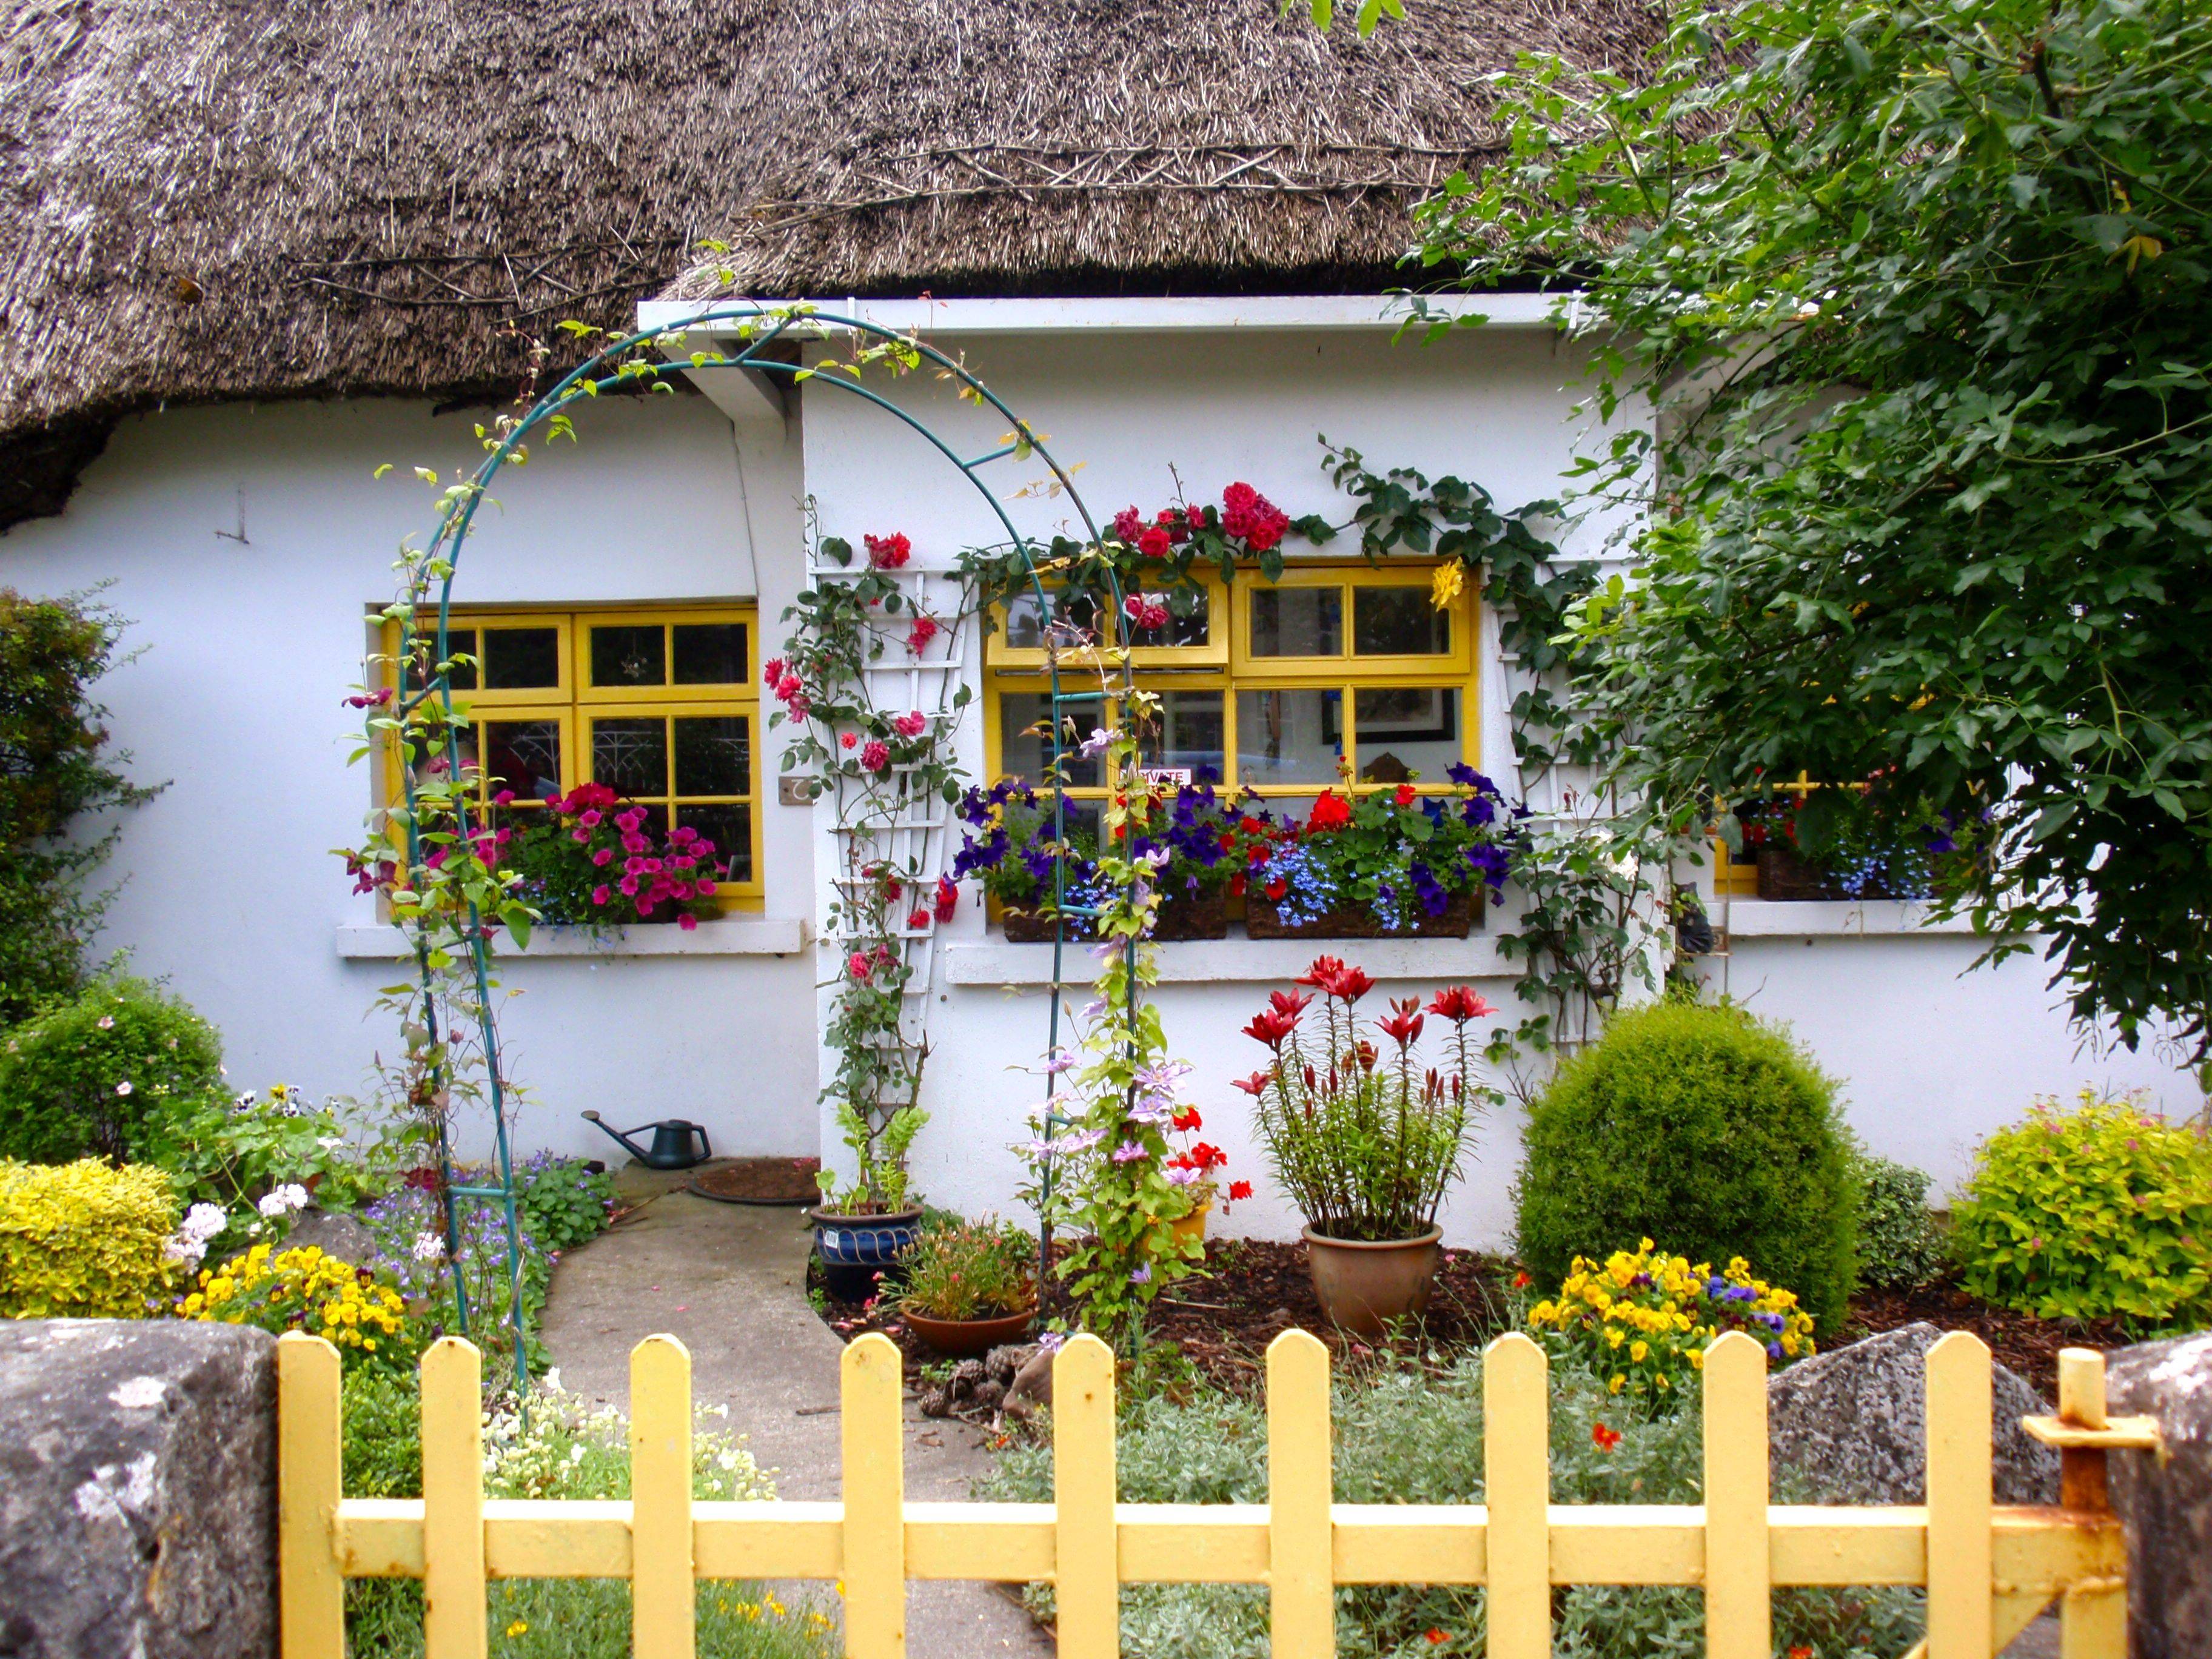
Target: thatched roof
[{"x": 211, "y": 199}]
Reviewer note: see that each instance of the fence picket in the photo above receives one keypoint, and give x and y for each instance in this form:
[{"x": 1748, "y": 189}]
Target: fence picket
[
  {"x": 452, "y": 1501},
  {"x": 1959, "y": 1579},
  {"x": 309, "y": 1435},
  {"x": 2092, "y": 1619},
  {"x": 1739, "y": 1604},
  {"x": 874, "y": 1556},
  {"x": 1300, "y": 1589},
  {"x": 663, "y": 1606},
  {"x": 1516, "y": 1482},
  {"x": 1086, "y": 1576}
]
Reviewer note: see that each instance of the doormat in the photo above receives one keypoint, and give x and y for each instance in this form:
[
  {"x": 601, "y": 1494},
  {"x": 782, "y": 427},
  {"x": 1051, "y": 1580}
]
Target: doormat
[{"x": 782, "y": 1180}]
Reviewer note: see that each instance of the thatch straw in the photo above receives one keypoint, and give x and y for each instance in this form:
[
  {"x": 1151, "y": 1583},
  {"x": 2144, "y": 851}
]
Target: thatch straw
[{"x": 242, "y": 199}]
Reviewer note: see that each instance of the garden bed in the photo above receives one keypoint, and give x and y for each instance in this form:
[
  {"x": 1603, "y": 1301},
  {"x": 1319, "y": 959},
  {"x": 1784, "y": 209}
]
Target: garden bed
[{"x": 1249, "y": 1293}]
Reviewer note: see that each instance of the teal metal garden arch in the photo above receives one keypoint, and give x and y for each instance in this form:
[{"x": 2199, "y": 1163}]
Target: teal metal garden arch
[{"x": 763, "y": 335}]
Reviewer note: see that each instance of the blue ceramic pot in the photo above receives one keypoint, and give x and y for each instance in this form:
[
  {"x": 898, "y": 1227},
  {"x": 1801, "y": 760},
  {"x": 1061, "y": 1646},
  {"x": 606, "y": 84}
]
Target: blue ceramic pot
[{"x": 854, "y": 1249}]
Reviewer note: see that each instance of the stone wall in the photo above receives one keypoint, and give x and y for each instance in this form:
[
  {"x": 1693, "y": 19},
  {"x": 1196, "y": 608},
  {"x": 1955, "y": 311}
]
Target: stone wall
[
  {"x": 138, "y": 1490},
  {"x": 2165, "y": 1500}
]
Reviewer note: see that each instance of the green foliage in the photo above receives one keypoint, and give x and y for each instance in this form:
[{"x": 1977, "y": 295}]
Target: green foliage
[
  {"x": 1901, "y": 1243},
  {"x": 1414, "y": 1435},
  {"x": 234, "y": 1153},
  {"x": 1946, "y": 523},
  {"x": 970, "y": 1270},
  {"x": 104, "y": 1074},
  {"x": 82, "y": 1241},
  {"x": 52, "y": 773},
  {"x": 1703, "y": 1128},
  {"x": 558, "y": 1450},
  {"x": 2099, "y": 1212},
  {"x": 561, "y": 1203}
]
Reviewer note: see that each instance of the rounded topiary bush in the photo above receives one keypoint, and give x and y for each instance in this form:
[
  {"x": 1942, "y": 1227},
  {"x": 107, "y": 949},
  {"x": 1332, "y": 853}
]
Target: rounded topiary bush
[
  {"x": 1706, "y": 1131},
  {"x": 93, "y": 1076}
]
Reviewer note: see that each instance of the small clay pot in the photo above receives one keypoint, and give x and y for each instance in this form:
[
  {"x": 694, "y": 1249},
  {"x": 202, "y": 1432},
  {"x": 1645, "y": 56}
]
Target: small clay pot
[
  {"x": 1364, "y": 1287},
  {"x": 961, "y": 1337},
  {"x": 1193, "y": 1226}
]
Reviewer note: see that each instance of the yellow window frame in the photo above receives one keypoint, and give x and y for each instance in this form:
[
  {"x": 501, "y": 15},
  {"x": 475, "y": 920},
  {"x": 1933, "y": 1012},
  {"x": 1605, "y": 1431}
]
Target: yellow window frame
[
  {"x": 1016, "y": 672},
  {"x": 1742, "y": 880},
  {"x": 574, "y": 703}
]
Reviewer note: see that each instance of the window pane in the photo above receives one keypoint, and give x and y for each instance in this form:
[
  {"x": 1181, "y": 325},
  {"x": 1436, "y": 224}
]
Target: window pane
[
  {"x": 711, "y": 654},
  {"x": 731, "y": 830},
  {"x": 1289, "y": 737},
  {"x": 1398, "y": 621},
  {"x": 1297, "y": 621},
  {"x": 1077, "y": 615},
  {"x": 630, "y": 656},
  {"x": 713, "y": 755},
  {"x": 524, "y": 756},
  {"x": 1023, "y": 752},
  {"x": 461, "y": 641},
  {"x": 1189, "y": 733},
  {"x": 631, "y": 756},
  {"x": 521, "y": 659},
  {"x": 1401, "y": 730}
]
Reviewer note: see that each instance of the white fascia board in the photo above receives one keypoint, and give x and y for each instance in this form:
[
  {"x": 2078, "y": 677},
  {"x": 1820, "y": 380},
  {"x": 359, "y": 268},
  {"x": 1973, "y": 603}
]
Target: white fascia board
[{"x": 1204, "y": 314}]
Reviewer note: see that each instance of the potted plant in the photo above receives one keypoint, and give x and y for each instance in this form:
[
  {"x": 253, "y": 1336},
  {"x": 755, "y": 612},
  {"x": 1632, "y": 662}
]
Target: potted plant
[
  {"x": 1384, "y": 863},
  {"x": 970, "y": 1285},
  {"x": 1010, "y": 852},
  {"x": 862, "y": 1228},
  {"x": 1366, "y": 1138},
  {"x": 592, "y": 860},
  {"x": 1856, "y": 842},
  {"x": 1193, "y": 1168}
]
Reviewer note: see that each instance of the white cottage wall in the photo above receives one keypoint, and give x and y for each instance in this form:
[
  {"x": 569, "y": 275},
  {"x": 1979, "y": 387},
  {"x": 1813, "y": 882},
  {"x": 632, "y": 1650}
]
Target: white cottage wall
[
  {"x": 244, "y": 649},
  {"x": 1931, "y": 1060}
]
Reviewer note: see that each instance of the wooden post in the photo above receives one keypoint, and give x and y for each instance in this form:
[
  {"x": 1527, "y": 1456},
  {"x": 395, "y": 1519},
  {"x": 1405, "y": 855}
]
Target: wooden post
[
  {"x": 1959, "y": 1580},
  {"x": 2092, "y": 1621},
  {"x": 1516, "y": 1481},
  {"x": 1087, "y": 1574},
  {"x": 874, "y": 1558},
  {"x": 662, "y": 1603},
  {"x": 1739, "y": 1608},
  {"x": 1301, "y": 1564},
  {"x": 452, "y": 1501},
  {"x": 310, "y": 1588}
]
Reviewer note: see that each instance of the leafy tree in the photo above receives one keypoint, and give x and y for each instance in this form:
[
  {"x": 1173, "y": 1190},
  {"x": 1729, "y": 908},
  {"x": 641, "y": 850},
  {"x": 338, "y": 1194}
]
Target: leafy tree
[
  {"x": 1917, "y": 292},
  {"x": 51, "y": 772}
]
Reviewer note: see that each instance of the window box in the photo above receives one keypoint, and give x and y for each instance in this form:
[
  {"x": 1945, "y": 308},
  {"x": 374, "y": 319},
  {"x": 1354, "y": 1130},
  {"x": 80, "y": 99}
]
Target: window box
[
  {"x": 1785, "y": 877},
  {"x": 1180, "y": 917},
  {"x": 1263, "y": 920}
]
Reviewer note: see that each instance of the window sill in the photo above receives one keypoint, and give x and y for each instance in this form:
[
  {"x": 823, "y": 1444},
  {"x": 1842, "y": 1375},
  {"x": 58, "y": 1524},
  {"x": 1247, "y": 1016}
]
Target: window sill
[
  {"x": 738, "y": 936},
  {"x": 1236, "y": 961},
  {"x": 1748, "y": 918}
]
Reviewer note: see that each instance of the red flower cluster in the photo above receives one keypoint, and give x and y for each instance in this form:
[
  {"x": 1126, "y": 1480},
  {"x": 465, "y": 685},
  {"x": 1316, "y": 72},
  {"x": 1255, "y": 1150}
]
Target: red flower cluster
[
  {"x": 1605, "y": 1438},
  {"x": 789, "y": 689},
  {"x": 948, "y": 898},
  {"x": 1201, "y": 1157},
  {"x": 1459, "y": 1004},
  {"x": 1330, "y": 812},
  {"x": 1252, "y": 517},
  {"x": 1146, "y": 609},
  {"x": 862, "y": 964},
  {"x": 888, "y": 552},
  {"x": 1239, "y": 1190},
  {"x": 1329, "y": 975},
  {"x": 924, "y": 630},
  {"x": 876, "y": 755}
]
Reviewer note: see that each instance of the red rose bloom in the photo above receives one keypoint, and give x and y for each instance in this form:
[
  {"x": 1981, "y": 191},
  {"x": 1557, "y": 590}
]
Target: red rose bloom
[{"x": 1154, "y": 543}]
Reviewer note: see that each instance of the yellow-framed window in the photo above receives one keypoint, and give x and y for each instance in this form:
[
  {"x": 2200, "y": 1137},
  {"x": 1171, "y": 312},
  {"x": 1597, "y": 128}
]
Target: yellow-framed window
[
  {"x": 1332, "y": 665},
  {"x": 1735, "y": 870},
  {"x": 661, "y": 705}
]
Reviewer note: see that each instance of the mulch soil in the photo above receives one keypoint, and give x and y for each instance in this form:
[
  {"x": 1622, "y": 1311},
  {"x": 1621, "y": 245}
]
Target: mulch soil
[
  {"x": 1251, "y": 1292},
  {"x": 780, "y": 1181}
]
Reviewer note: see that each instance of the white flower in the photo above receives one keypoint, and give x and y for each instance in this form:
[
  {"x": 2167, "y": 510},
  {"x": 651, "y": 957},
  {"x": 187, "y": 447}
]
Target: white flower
[
  {"x": 576, "y": 1454},
  {"x": 185, "y": 1249},
  {"x": 204, "y": 1222},
  {"x": 283, "y": 1200},
  {"x": 106, "y": 1022},
  {"x": 429, "y": 1247},
  {"x": 329, "y": 1143},
  {"x": 122, "y": 1088}
]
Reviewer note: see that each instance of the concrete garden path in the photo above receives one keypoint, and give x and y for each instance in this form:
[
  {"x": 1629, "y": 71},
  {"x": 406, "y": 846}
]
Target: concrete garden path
[{"x": 729, "y": 1280}]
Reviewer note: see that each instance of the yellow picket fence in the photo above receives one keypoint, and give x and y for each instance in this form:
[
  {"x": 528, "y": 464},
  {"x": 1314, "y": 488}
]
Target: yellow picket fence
[{"x": 1988, "y": 1571}]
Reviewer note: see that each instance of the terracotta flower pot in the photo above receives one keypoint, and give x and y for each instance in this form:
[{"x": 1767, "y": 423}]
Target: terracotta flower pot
[
  {"x": 962, "y": 1337},
  {"x": 1364, "y": 1287}
]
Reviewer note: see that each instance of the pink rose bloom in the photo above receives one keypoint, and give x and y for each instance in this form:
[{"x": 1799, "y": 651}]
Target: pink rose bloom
[
  {"x": 876, "y": 755},
  {"x": 858, "y": 965},
  {"x": 910, "y": 725},
  {"x": 849, "y": 741}
]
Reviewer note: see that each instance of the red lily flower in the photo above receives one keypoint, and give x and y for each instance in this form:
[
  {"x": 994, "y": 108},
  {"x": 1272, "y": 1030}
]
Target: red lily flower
[
  {"x": 1269, "y": 1027},
  {"x": 1351, "y": 984},
  {"x": 1254, "y": 1085},
  {"x": 1323, "y": 971},
  {"x": 1289, "y": 1004},
  {"x": 1404, "y": 1024},
  {"x": 1459, "y": 1004}
]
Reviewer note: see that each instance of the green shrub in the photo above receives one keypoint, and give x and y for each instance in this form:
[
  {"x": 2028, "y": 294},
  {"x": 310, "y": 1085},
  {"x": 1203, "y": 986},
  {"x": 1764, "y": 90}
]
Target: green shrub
[
  {"x": 2100, "y": 1212},
  {"x": 1902, "y": 1245},
  {"x": 560, "y": 1202},
  {"x": 82, "y": 1241},
  {"x": 50, "y": 773},
  {"x": 1705, "y": 1130},
  {"x": 103, "y": 1073},
  {"x": 1408, "y": 1435}
]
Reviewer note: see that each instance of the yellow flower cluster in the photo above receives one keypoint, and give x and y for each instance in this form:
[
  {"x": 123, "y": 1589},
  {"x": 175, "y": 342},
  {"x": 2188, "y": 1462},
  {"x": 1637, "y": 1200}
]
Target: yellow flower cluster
[
  {"x": 299, "y": 1290},
  {"x": 1644, "y": 1317}
]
